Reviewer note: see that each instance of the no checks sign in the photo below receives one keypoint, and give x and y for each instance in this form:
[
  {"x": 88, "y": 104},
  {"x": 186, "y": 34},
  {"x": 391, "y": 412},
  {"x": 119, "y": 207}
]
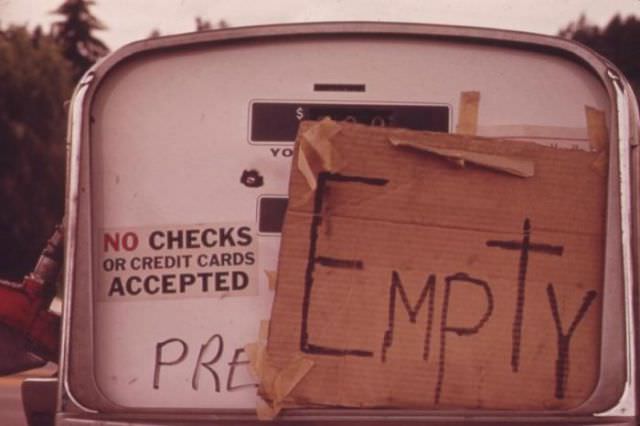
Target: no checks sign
[{"x": 177, "y": 262}]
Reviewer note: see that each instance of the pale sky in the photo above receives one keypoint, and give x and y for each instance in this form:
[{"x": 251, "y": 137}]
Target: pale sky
[{"x": 130, "y": 20}]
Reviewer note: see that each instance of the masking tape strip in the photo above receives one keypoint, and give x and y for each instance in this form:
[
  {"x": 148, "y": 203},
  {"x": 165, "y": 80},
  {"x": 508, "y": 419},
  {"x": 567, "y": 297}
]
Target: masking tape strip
[
  {"x": 525, "y": 131},
  {"x": 284, "y": 383},
  {"x": 272, "y": 278},
  {"x": 263, "y": 333},
  {"x": 316, "y": 152},
  {"x": 288, "y": 378},
  {"x": 514, "y": 166},
  {"x": 305, "y": 167},
  {"x": 275, "y": 384},
  {"x": 265, "y": 412},
  {"x": 596, "y": 128},
  {"x": 600, "y": 164},
  {"x": 468, "y": 113}
]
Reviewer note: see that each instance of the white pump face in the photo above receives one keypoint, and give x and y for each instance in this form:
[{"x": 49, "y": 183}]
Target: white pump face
[{"x": 178, "y": 186}]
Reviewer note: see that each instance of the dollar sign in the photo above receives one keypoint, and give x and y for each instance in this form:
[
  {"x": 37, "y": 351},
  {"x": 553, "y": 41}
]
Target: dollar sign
[{"x": 299, "y": 113}]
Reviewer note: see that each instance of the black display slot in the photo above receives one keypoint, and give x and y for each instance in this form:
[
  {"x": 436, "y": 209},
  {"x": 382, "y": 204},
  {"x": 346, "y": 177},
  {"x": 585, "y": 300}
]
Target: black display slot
[
  {"x": 321, "y": 87},
  {"x": 271, "y": 211},
  {"x": 278, "y": 122}
]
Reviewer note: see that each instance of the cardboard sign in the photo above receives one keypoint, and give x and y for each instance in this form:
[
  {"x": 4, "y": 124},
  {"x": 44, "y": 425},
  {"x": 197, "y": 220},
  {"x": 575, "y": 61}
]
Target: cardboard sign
[{"x": 430, "y": 270}]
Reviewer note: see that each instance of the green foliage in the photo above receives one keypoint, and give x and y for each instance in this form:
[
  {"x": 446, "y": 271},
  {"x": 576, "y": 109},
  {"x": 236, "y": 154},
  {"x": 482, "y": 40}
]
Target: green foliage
[
  {"x": 35, "y": 82},
  {"x": 619, "y": 42},
  {"x": 75, "y": 35},
  {"x": 37, "y": 74},
  {"x": 205, "y": 25}
]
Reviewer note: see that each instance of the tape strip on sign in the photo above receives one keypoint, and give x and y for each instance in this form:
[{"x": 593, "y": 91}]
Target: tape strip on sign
[
  {"x": 316, "y": 153},
  {"x": 179, "y": 261},
  {"x": 275, "y": 384},
  {"x": 596, "y": 128},
  {"x": 468, "y": 113},
  {"x": 515, "y": 166},
  {"x": 272, "y": 278},
  {"x": 527, "y": 131},
  {"x": 597, "y": 131}
]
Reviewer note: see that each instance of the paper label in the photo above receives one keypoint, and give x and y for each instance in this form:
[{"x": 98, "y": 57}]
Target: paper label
[{"x": 180, "y": 261}]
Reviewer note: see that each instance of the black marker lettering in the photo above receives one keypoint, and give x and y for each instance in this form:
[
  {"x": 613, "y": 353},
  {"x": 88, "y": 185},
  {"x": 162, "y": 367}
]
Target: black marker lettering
[
  {"x": 562, "y": 362},
  {"x": 196, "y": 376},
  {"x": 396, "y": 286},
  {"x": 160, "y": 362},
  {"x": 305, "y": 345},
  {"x": 339, "y": 263},
  {"x": 460, "y": 331},
  {"x": 232, "y": 368},
  {"x": 525, "y": 246}
]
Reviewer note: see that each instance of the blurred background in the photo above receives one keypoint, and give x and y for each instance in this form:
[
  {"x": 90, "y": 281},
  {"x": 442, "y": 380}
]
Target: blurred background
[{"x": 46, "y": 46}]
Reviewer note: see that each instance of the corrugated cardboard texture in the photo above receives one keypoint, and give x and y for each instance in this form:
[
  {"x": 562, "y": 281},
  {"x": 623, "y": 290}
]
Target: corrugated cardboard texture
[
  {"x": 412, "y": 282},
  {"x": 468, "y": 116}
]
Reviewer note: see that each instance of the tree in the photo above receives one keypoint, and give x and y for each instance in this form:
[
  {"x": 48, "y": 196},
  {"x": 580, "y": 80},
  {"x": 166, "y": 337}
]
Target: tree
[
  {"x": 75, "y": 35},
  {"x": 155, "y": 33},
  {"x": 205, "y": 25},
  {"x": 619, "y": 42},
  {"x": 37, "y": 74},
  {"x": 35, "y": 82}
]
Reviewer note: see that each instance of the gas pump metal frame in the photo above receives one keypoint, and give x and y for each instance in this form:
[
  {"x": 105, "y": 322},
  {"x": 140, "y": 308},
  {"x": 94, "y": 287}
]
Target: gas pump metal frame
[{"x": 76, "y": 370}]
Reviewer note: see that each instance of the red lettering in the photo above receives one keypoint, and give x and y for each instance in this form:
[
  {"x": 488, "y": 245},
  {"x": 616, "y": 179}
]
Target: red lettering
[
  {"x": 130, "y": 241},
  {"x": 112, "y": 241}
]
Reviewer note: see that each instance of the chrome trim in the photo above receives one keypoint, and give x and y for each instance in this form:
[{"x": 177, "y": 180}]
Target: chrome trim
[
  {"x": 71, "y": 231},
  {"x": 627, "y": 404},
  {"x": 349, "y": 28}
]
